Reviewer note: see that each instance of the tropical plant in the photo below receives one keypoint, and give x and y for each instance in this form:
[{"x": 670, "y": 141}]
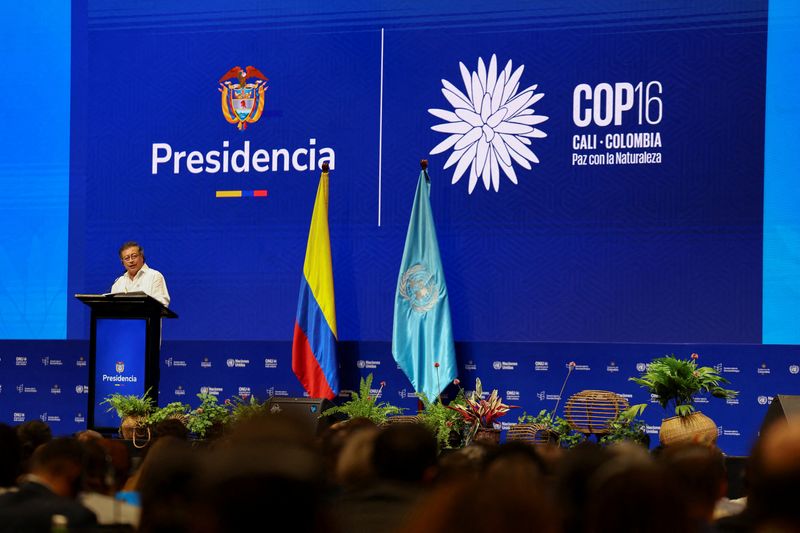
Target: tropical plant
[
  {"x": 207, "y": 415},
  {"x": 129, "y": 405},
  {"x": 626, "y": 427},
  {"x": 676, "y": 381},
  {"x": 447, "y": 424},
  {"x": 363, "y": 404},
  {"x": 558, "y": 427},
  {"x": 479, "y": 413},
  {"x": 171, "y": 410},
  {"x": 246, "y": 408}
]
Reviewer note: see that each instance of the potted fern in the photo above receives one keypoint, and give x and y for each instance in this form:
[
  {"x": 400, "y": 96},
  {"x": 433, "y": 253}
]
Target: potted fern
[
  {"x": 176, "y": 410},
  {"x": 132, "y": 410},
  {"x": 447, "y": 424},
  {"x": 675, "y": 382},
  {"x": 363, "y": 404}
]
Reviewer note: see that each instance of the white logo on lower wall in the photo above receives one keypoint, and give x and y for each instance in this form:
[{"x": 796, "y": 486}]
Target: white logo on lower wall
[
  {"x": 470, "y": 365},
  {"x": 244, "y": 392},
  {"x": 79, "y": 418},
  {"x": 272, "y": 391},
  {"x": 641, "y": 367},
  {"x": 19, "y": 417},
  {"x": 368, "y": 363},
  {"x": 270, "y": 363},
  {"x": 512, "y": 395},
  {"x": 237, "y": 363},
  {"x": 21, "y": 361},
  {"x": 216, "y": 391},
  {"x": 82, "y": 389},
  {"x": 403, "y": 393},
  {"x": 205, "y": 363},
  {"x": 505, "y": 365},
  {"x": 794, "y": 369},
  {"x": 491, "y": 125},
  {"x": 542, "y": 396},
  {"x": 44, "y": 417},
  {"x": 764, "y": 400},
  {"x": 541, "y": 366}
]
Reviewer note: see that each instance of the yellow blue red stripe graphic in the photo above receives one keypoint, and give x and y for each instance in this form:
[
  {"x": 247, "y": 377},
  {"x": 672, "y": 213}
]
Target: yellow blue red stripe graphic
[{"x": 242, "y": 194}]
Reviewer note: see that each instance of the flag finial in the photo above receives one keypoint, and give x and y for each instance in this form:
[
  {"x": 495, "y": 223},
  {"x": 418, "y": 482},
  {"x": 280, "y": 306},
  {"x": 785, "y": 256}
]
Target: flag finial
[
  {"x": 424, "y": 164},
  {"x": 325, "y": 167}
]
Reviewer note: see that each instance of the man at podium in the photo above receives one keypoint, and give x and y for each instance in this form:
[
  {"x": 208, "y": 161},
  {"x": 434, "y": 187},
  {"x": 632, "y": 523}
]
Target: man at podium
[{"x": 138, "y": 277}]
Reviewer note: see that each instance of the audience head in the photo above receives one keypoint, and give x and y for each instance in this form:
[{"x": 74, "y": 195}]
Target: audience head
[
  {"x": 32, "y": 434},
  {"x": 266, "y": 469},
  {"x": 635, "y": 495},
  {"x": 405, "y": 453},
  {"x": 166, "y": 486},
  {"x": 700, "y": 472},
  {"x": 59, "y": 463},
  {"x": 10, "y": 456},
  {"x": 170, "y": 427},
  {"x": 512, "y": 461},
  {"x": 774, "y": 475},
  {"x": 354, "y": 466}
]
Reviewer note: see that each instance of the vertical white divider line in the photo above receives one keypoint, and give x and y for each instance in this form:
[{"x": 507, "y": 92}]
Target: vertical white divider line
[{"x": 380, "y": 137}]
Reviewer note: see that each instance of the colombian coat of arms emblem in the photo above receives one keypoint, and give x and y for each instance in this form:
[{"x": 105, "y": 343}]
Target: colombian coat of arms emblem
[{"x": 243, "y": 101}]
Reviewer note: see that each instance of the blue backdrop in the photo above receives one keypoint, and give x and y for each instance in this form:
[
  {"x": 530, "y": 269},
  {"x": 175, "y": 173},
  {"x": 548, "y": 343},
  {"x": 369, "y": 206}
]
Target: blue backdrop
[{"x": 617, "y": 208}]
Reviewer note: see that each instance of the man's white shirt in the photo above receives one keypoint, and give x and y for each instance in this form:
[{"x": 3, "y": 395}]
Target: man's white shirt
[{"x": 147, "y": 280}]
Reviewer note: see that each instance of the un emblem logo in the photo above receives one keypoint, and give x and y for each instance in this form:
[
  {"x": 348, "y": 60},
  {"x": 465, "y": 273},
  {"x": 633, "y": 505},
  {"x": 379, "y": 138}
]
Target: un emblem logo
[
  {"x": 794, "y": 369},
  {"x": 418, "y": 287},
  {"x": 243, "y": 102}
]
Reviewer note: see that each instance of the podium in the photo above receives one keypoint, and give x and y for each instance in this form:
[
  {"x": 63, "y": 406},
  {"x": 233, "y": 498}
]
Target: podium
[{"x": 124, "y": 346}]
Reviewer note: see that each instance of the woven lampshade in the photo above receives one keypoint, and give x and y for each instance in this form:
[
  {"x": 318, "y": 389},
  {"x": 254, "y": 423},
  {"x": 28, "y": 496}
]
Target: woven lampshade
[{"x": 589, "y": 411}]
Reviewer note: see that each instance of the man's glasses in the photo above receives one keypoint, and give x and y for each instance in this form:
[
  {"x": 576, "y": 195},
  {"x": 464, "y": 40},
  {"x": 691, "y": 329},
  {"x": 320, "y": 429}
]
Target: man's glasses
[{"x": 132, "y": 257}]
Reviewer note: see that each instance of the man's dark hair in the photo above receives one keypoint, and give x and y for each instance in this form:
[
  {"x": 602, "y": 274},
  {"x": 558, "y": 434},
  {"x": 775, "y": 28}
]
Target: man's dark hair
[
  {"x": 32, "y": 434},
  {"x": 403, "y": 452},
  {"x": 131, "y": 244}
]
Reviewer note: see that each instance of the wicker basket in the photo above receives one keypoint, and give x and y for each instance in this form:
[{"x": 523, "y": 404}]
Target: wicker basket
[
  {"x": 590, "y": 411},
  {"x": 487, "y": 436},
  {"x": 530, "y": 433},
  {"x": 401, "y": 419},
  {"x": 133, "y": 428},
  {"x": 693, "y": 428}
]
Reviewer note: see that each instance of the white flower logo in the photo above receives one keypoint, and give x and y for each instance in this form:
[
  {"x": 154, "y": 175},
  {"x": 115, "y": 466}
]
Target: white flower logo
[{"x": 491, "y": 126}]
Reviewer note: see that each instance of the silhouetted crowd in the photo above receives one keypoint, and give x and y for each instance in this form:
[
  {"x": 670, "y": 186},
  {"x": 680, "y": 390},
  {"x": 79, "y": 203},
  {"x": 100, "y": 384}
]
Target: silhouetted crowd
[{"x": 274, "y": 474}]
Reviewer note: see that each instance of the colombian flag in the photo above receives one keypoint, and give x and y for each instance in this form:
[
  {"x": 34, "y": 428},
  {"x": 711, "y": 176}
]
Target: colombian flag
[{"x": 314, "y": 344}]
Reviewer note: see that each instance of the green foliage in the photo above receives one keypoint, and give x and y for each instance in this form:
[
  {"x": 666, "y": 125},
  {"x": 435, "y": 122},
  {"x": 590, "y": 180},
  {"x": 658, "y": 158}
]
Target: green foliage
[
  {"x": 443, "y": 421},
  {"x": 557, "y": 426},
  {"x": 245, "y": 409},
  {"x": 129, "y": 405},
  {"x": 363, "y": 404},
  {"x": 676, "y": 381},
  {"x": 206, "y": 415},
  {"x": 171, "y": 410},
  {"x": 626, "y": 427}
]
